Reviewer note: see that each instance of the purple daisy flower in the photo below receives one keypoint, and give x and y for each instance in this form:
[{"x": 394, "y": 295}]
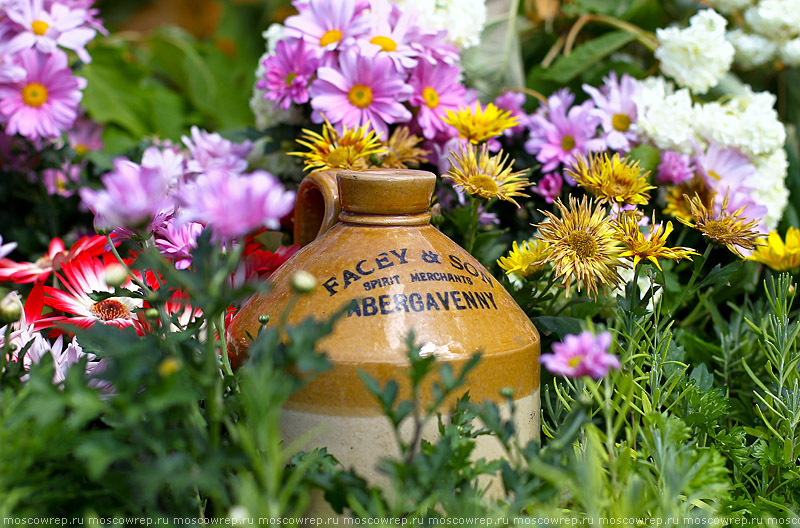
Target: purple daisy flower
[
  {"x": 436, "y": 89},
  {"x": 582, "y": 355},
  {"x": 615, "y": 101},
  {"x": 45, "y": 102},
  {"x": 364, "y": 91},
  {"x": 675, "y": 168},
  {"x": 558, "y": 132},
  {"x": 288, "y": 73},
  {"x": 325, "y": 25},
  {"x": 58, "y": 181},
  {"x": 233, "y": 205}
]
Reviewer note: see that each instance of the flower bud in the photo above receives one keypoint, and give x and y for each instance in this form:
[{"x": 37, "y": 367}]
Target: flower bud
[
  {"x": 152, "y": 313},
  {"x": 169, "y": 366},
  {"x": 116, "y": 275},
  {"x": 303, "y": 282},
  {"x": 10, "y": 308}
]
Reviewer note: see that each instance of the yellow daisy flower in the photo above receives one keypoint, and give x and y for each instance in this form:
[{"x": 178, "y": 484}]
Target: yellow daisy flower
[
  {"x": 478, "y": 172},
  {"x": 729, "y": 229},
  {"x": 402, "y": 150},
  {"x": 583, "y": 245},
  {"x": 651, "y": 246},
  {"x": 525, "y": 260},
  {"x": 778, "y": 255},
  {"x": 480, "y": 124},
  {"x": 678, "y": 207},
  {"x": 619, "y": 180},
  {"x": 331, "y": 150}
]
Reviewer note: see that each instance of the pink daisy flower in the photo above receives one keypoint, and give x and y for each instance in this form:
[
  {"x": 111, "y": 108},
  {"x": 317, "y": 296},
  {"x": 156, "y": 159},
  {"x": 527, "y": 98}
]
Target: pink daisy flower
[
  {"x": 582, "y": 355},
  {"x": 57, "y": 254},
  {"x": 436, "y": 89},
  {"x": 80, "y": 278},
  {"x": 209, "y": 150},
  {"x": 364, "y": 91},
  {"x": 390, "y": 34},
  {"x": 85, "y": 136},
  {"x": 549, "y": 187},
  {"x": 177, "y": 241},
  {"x": 233, "y": 205},
  {"x": 326, "y": 25},
  {"x": 168, "y": 161},
  {"x": 132, "y": 197},
  {"x": 288, "y": 73},
  {"x": 674, "y": 168},
  {"x": 48, "y": 28},
  {"x": 62, "y": 182},
  {"x": 618, "y": 111},
  {"x": 45, "y": 102},
  {"x": 558, "y": 132}
]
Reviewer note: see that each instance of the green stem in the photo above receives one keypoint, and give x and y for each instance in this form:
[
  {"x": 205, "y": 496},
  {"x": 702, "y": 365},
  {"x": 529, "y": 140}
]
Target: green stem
[
  {"x": 122, "y": 263},
  {"x": 474, "y": 205},
  {"x": 695, "y": 274},
  {"x": 635, "y": 288}
]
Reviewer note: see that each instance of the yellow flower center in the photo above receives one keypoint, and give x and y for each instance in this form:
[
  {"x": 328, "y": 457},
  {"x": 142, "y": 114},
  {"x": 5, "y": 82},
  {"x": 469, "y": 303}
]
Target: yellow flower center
[
  {"x": 81, "y": 149},
  {"x": 621, "y": 122},
  {"x": 567, "y": 143},
  {"x": 574, "y": 362},
  {"x": 330, "y": 37},
  {"x": 39, "y": 27},
  {"x": 110, "y": 309},
  {"x": 583, "y": 244},
  {"x": 291, "y": 77},
  {"x": 385, "y": 43},
  {"x": 483, "y": 184},
  {"x": 340, "y": 157},
  {"x": 360, "y": 95},
  {"x": 34, "y": 94},
  {"x": 716, "y": 230},
  {"x": 431, "y": 97}
]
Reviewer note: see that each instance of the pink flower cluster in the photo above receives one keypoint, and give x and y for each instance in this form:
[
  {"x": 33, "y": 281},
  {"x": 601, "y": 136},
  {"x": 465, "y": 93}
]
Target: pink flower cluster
[
  {"x": 39, "y": 94},
  {"x": 365, "y": 63},
  {"x": 582, "y": 355},
  {"x": 174, "y": 194}
]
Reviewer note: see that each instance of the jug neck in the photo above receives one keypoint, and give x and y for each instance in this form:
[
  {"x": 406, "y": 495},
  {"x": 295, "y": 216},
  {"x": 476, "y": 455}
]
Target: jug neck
[
  {"x": 423, "y": 218},
  {"x": 381, "y": 197}
]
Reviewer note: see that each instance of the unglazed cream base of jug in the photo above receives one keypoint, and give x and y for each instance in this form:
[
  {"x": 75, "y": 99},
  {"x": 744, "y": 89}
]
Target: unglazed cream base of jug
[{"x": 392, "y": 273}]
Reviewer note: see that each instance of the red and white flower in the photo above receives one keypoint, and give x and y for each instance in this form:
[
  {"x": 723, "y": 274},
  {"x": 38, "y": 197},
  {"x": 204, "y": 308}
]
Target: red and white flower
[
  {"x": 81, "y": 277},
  {"x": 57, "y": 254}
]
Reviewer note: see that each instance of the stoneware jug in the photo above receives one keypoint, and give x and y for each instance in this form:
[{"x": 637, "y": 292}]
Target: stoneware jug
[{"x": 395, "y": 273}]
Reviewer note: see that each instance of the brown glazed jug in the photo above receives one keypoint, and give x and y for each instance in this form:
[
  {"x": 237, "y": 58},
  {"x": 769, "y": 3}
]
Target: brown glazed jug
[{"x": 396, "y": 273}]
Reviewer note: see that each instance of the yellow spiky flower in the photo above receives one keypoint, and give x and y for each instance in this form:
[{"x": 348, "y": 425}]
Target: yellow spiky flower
[
  {"x": 480, "y": 124},
  {"x": 732, "y": 230},
  {"x": 777, "y": 254},
  {"x": 476, "y": 171},
  {"x": 583, "y": 245},
  {"x": 402, "y": 150},
  {"x": 330, "y": 150},
  {"x": 652, "y": 246},
  {"x": 678, "y": 207},
  {"x": 614, "y": 180},
  {"x": 525, "y": 260}
]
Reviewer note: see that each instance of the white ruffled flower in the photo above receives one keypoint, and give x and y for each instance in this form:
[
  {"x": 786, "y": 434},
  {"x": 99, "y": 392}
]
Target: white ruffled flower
[
  {"x": 665, "y": 117},
  {"x": 729, "y": 6},
  {"x": 273, "y": 34},
  {"x": 747, "y": 122},
  {"x": 752, "y": 50},
  {"x": 769, "y": 186},
  {"x": 462, "y": 19},
  {"x": 775, "y": 19},
  {"x": 698, "y": 56},
  {"x": 790, "y": 53}
]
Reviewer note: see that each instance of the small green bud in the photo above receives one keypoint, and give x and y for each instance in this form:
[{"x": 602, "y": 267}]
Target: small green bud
[
  {"x": 152, "y": 313},
  {"x": 263, "y": 319},
  {"x": 169, "y": 366},
  {"x": 507, "y": 392},
  {"x": 116, "y": 275},
  {"x": 304, "y": 282},
  {"x": 10, "y": 308}
]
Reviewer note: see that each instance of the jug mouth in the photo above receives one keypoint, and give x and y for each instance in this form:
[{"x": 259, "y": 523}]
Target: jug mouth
[{"x": 386, "y": 196}]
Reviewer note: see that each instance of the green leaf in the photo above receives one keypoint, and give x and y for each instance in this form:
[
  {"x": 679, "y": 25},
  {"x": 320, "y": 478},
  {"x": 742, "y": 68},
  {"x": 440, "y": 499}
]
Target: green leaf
[
  {"x": 570, "y": 66},
  {"x": 702, "y": 377},
  {"x": 111, "y": 97},
  {"x": 647, "y": 156},
  {"x": 719, "y": 275},
  {"x": 562, "y": 326}
]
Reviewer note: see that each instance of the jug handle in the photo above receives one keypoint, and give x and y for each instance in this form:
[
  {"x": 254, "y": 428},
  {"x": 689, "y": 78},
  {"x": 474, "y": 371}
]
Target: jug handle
[{"x": 317, "y": 207}]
